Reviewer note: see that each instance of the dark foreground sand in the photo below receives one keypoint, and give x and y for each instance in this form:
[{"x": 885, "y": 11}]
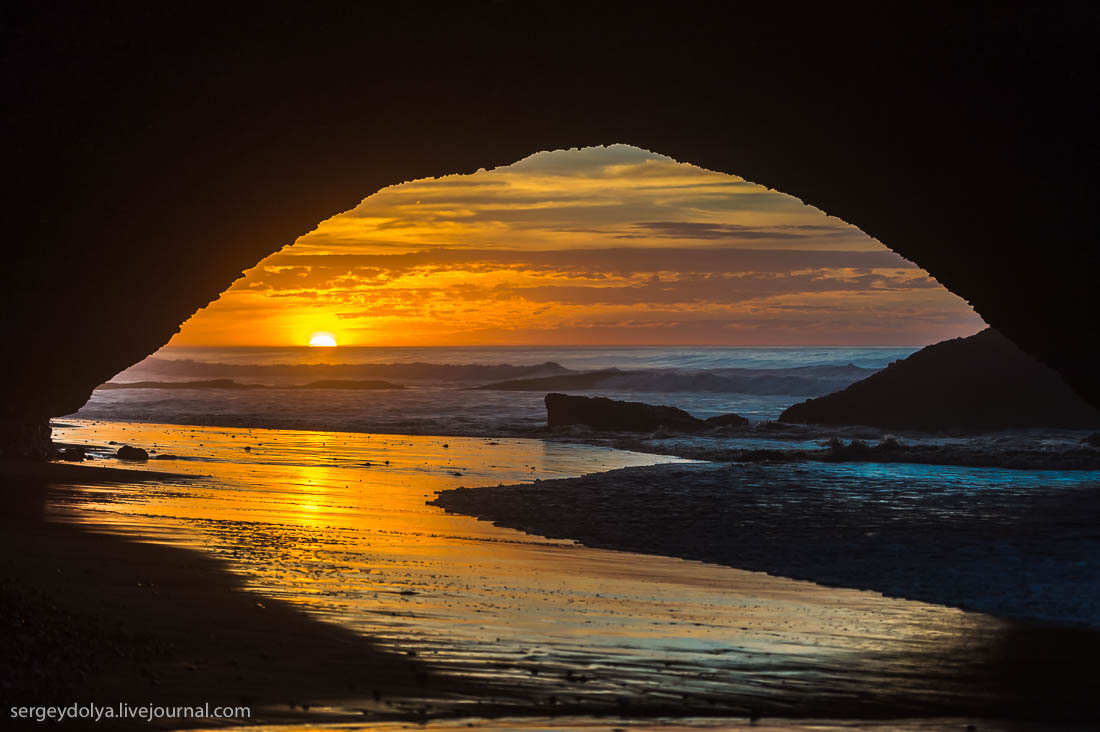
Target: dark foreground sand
[
  {"x": 1016, "y": 550},
  {"x": 94, "y": 617}
]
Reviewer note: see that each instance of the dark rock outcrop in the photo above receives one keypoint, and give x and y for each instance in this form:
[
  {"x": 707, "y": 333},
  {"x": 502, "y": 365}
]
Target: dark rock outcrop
[
  {"x": 984, "y": 382},
  {"x": 726, "y": 420},
  {"x": 600, "y": 413},
  {"x": 126, "y": 452},
  {"x": 72, "y": 453}
]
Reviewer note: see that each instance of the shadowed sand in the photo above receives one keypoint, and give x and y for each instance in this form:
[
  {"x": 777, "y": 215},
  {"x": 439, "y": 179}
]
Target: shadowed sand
[{"x": 96, "y": 617}]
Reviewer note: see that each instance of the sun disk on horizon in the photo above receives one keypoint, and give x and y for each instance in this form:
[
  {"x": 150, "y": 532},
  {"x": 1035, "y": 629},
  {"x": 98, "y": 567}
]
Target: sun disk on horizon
[{"x": 324, "y": 340}]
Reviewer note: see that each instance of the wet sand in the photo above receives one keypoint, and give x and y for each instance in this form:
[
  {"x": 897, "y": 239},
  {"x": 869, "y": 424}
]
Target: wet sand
[
  {"x": 96, "y": 617},
  {"x": 504, "y": 623}
]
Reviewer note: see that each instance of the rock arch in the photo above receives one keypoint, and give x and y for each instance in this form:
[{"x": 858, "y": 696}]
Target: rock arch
[{"x": 153, "y": 158}]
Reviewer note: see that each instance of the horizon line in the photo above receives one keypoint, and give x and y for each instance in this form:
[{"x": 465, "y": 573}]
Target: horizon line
[{"x": 554, "y": 345}]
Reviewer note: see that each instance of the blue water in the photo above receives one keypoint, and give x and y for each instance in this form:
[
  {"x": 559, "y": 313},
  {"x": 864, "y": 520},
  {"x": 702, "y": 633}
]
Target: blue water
[{"x": 930, "y": 480}]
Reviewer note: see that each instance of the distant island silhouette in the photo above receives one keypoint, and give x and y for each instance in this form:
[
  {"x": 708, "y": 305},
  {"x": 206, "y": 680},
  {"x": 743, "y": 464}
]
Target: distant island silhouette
[{"x": 231, "y": 384}]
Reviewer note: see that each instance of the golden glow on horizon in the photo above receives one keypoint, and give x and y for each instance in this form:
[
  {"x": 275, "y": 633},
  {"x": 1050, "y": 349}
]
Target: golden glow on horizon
[
  {"x": 322, "y": 339},
  {"x": 600, "y": 246}
]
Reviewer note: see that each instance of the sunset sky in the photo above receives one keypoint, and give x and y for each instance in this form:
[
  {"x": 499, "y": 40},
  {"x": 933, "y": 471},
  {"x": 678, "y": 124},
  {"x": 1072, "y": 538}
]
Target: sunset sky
[{"x": 600, "y": 246}]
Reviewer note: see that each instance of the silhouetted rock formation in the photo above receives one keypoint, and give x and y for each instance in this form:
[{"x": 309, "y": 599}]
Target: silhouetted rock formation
[
  {"x": 72, "y": 453},
  {"x": 600, "y": 413},
  {"x": 726, "y": 420},
  {"x": 981, "y": 382},
  {"x": 258, "y": 141},
  {"x": 127, "y": 452}
]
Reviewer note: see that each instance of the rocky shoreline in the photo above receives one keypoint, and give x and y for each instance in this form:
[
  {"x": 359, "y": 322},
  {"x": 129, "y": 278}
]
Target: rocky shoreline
[
  {"x": 1023, "y": 551},
  {"x": 774, "y": 442},
  {"x": 1014, "y": 450}
]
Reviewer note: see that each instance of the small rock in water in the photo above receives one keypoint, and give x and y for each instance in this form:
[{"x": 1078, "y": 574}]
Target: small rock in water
[
  {"x": 726, "y": 420},
  {"x": 132, "y": 453}
]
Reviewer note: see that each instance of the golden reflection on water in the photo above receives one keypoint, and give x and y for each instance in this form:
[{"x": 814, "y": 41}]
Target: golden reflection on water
[{"x": 337, "y": 523}]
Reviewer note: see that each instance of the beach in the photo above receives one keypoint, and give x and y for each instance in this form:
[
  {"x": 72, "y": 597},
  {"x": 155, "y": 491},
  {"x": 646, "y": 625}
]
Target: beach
[
  {"x": 98, "y": 618},
  {"x": 450, "y": 617}
]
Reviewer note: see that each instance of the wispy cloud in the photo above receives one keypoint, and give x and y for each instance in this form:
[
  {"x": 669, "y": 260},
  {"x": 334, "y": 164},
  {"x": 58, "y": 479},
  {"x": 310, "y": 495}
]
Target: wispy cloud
[{"x": 614, "y": 244}]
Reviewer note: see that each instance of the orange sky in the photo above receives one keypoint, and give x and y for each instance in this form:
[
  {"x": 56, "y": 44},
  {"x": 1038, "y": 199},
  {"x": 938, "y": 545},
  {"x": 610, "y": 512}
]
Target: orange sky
[{"x": 600, "y": 246}]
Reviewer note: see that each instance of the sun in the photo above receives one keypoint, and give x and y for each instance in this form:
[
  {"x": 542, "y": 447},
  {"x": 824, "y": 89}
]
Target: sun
[{"x": 322, "y": 339}]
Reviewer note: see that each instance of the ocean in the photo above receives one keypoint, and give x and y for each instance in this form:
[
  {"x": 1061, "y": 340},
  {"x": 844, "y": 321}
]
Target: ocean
[{"x": 472, "y": 391}]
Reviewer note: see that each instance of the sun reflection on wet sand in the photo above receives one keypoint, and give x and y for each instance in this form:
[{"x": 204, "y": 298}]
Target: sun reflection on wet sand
[{"x": 337, "y": 523}]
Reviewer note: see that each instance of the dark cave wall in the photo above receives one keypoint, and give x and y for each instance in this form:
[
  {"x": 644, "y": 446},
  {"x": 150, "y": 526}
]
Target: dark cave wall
[{"x": 155, "y": 154}]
